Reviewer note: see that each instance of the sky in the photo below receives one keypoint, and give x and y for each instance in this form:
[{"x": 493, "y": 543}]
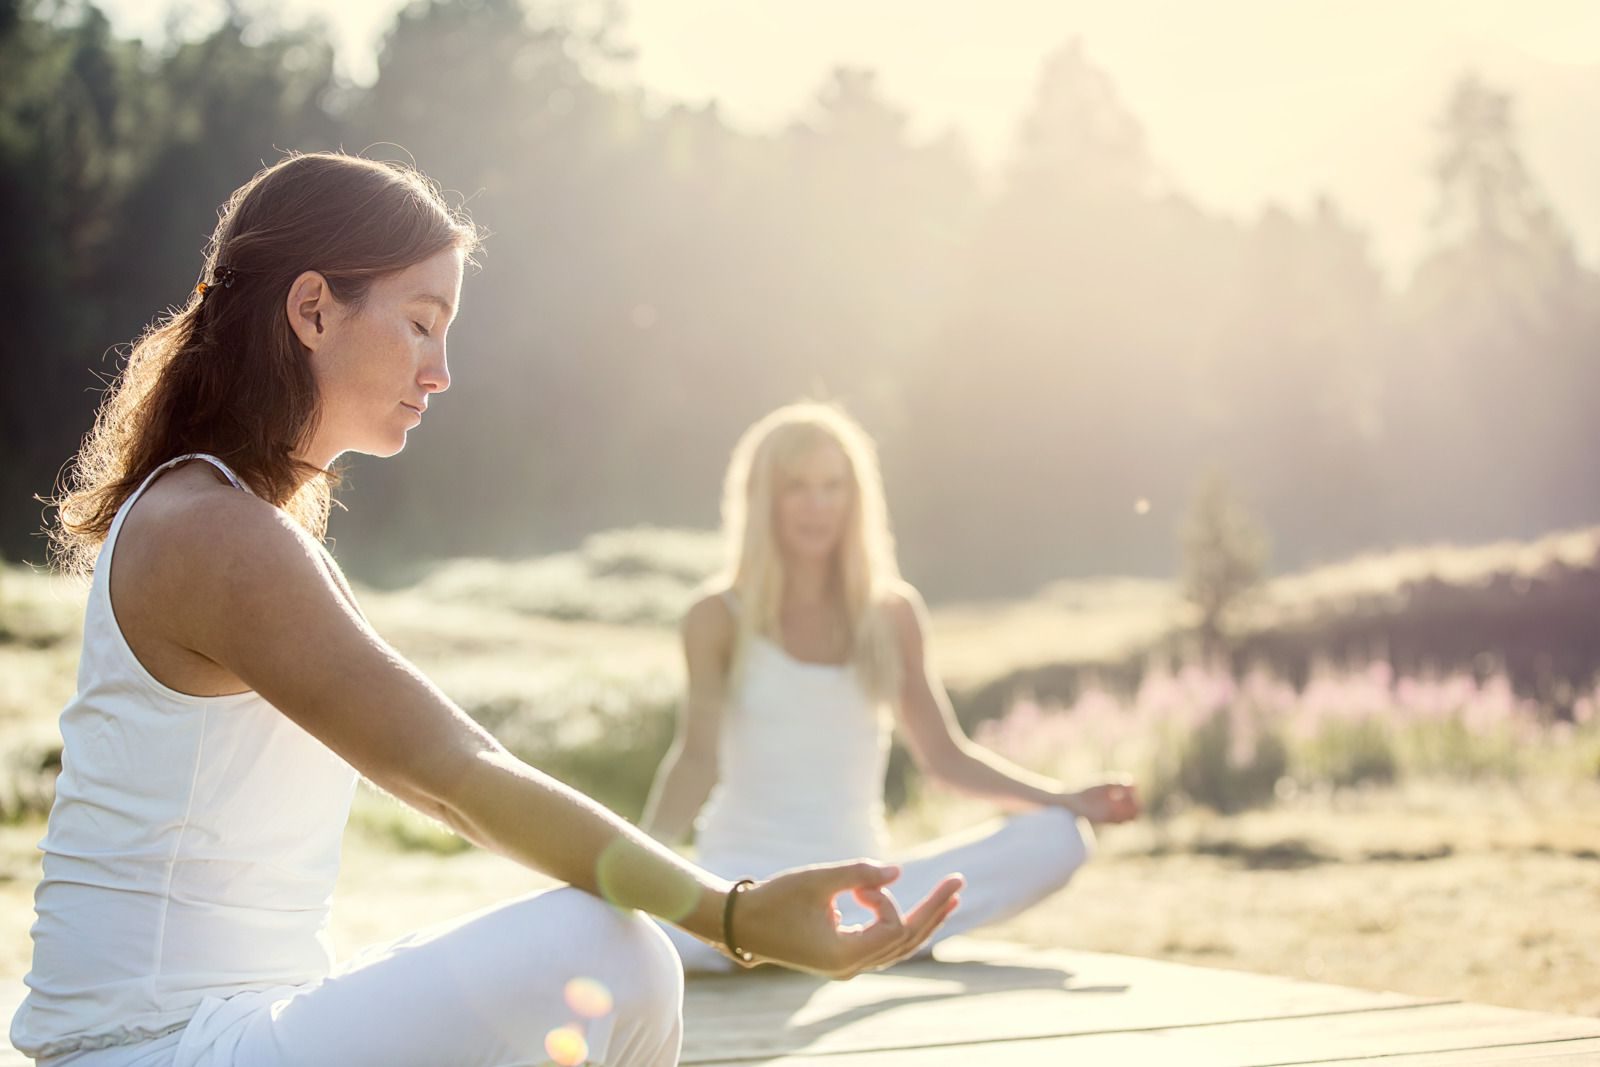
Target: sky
[{"x": 1243, "y": 102}]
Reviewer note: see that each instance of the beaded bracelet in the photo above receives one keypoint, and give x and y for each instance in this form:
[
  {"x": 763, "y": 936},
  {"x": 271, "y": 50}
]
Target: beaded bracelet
[{"x": 743, "y": 955}]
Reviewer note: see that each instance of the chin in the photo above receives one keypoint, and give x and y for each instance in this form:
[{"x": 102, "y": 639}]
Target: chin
[
  {"x": 818, "y": 552},
  {"x": 383, "y": 447}
]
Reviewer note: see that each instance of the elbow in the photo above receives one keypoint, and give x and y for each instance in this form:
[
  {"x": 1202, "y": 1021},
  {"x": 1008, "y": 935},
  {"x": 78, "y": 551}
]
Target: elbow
[
  {"x": 939, "y": 761},
  {"x": 697, "y": 765},
  {"x": 442, "y": 784}
]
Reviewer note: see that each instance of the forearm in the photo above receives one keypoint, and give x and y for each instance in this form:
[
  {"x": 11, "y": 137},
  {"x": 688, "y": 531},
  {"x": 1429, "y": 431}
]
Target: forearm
[
  {"x": 678, "y": 794},
  {"x": 978, "y": 771},
  {"x": 509, "y": 807}
]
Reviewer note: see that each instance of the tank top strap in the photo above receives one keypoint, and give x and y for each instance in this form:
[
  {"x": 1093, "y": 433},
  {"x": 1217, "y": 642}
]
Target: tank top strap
[
  {"x": 122, "y": 512},
  {"x": 227, "y": 472}
]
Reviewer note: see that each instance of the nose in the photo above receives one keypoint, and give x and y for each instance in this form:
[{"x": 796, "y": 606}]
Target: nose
[{"x": 435, "y": 375}]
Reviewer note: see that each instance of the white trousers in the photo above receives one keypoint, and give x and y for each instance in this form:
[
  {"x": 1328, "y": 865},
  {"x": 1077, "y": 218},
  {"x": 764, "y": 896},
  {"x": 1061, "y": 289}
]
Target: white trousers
[
  {"x": 486, "y": 990},
  {"x": 1010, "y": 865}
]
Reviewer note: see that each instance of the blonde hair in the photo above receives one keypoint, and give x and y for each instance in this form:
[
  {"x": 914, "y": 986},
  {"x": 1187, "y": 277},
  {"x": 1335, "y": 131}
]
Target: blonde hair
[{"x": 865, "y": 567}]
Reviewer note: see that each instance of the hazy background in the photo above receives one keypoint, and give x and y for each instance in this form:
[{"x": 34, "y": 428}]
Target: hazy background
[{"x": 1061, "y": 259}]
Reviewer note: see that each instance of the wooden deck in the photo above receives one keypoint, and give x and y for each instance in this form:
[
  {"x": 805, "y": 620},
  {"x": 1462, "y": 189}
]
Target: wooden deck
[{"x": 995, "y": 1003}]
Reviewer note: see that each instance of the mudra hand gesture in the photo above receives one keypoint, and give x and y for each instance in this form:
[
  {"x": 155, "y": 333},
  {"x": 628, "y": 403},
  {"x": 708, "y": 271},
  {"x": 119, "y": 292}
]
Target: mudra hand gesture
[
  {"x": 791, "y": 918},
  {"x": 1108, "y": 802}
]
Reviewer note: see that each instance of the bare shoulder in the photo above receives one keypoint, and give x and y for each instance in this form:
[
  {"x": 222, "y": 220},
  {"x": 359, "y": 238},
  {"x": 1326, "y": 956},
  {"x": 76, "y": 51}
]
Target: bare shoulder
[
  {"x": 192, "y": 533},
  {"x": 903, "y": 606},
  {"x": 194, "y": 515},
  {"x": 709, "y": 622}
]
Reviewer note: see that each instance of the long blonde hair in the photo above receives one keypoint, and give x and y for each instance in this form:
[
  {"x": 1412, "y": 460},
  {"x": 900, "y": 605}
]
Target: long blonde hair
[{"x": 865, "y": 567}]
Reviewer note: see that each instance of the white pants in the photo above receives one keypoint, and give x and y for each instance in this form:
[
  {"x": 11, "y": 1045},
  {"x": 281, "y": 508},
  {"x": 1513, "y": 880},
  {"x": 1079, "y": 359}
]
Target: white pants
[
  {"x": 1009, "y": 867},
  {"x": 486, "y": 990}
]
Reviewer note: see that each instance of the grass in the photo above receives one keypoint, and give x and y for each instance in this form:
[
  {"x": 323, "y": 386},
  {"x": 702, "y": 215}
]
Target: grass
[
  {"x": 1434, "y": 889},
  {"x": 1399, "y": 812}
]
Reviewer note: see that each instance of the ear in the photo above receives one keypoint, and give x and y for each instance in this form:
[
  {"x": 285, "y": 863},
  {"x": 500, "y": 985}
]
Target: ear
[{"x": 311, "y": 308}]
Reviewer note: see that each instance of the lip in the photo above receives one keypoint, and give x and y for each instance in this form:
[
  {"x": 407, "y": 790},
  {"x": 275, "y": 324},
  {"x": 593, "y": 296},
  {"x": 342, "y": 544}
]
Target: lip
[{"x": 413, "y": 407}]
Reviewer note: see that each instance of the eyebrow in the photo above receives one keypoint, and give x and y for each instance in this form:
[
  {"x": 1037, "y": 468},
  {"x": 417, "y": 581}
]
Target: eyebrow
[{"x": 432, "y": 298}]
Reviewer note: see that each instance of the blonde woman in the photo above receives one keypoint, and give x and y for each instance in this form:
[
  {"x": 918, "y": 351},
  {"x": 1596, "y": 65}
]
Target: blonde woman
[{"x": 793, "y": 658}]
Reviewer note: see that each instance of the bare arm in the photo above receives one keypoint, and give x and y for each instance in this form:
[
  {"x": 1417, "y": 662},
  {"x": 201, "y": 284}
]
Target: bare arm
[
  {"x": 689, "y": 771},
  {"x": 252, "y": 593},
  {"x": 943, "y": 751}
]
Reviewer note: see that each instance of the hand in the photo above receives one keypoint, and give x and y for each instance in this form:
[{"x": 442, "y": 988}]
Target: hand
[
  {"x": 790, "y": 919},
  {"x": 1108, "y": 802}
]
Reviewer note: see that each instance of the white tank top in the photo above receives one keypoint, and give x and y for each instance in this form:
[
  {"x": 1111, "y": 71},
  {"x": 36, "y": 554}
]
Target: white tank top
[
  {"x": 191, "y": 851},
  {"x": 801, "y": 760}
]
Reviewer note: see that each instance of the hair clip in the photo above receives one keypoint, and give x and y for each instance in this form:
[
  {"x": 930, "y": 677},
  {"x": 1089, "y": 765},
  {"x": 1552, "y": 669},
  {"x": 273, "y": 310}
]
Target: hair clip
[{"x": 221, "y": 277}]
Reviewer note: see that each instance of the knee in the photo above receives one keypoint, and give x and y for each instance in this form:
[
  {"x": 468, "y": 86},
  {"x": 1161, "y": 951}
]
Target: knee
[
  {"x": 1065, "y": 843},
  {"x": 640, "y": 971},
  {"x": 657, "y": 988}
]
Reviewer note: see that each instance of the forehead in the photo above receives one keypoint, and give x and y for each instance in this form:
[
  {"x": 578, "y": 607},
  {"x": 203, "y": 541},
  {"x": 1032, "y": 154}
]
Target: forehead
[
  {"x": 821, "y": 460},
  {"x": 438, "y": 277}
]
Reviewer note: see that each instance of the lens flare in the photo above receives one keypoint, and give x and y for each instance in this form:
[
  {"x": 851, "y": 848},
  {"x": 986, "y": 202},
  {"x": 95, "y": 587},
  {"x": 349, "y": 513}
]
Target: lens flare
[
  {"x": 1141, "y": 506},
  {"x": 566, "y": 1046},
  {"x": 628, "y": 879},
  {"x": 588, "y": 998}
]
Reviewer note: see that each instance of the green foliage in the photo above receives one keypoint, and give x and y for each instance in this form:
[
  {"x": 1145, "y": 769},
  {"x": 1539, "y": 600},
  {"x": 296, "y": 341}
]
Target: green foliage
[
  {"x": 1227, "y": 762},
  {"x": 385, "y": 819},
  {"x": 639, "y": 575},
  {"x": 618, "y": 764},
  {"x": 1349, "y": 752},
  {"x": 29, "y": 764}
]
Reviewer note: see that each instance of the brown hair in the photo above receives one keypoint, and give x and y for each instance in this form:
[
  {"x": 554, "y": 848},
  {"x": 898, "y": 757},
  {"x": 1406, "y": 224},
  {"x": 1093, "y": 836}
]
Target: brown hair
[{"x": 225, "y": 374}]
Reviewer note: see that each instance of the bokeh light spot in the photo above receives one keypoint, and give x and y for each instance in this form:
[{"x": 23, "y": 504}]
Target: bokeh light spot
[
  {"x": 1141, "y": 506},
  {"x": 566, "y": 1046},
  {"x": 588, "y": 998}
]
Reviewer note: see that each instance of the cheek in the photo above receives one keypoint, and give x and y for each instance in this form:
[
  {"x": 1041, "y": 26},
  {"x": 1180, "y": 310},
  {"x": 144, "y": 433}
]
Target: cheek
[{"x": 787, "y": 512}]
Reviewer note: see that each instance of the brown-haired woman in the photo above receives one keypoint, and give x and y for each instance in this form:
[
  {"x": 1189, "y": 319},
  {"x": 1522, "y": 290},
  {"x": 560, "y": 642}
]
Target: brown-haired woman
[{"x": 230, "y": 692}]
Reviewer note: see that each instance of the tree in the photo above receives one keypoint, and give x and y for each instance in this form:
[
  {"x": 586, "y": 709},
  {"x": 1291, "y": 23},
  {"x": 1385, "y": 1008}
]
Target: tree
[
  {"x": 1035, "y": 423},
  {"x": 1224, "y": 557},
  {"x": 1492, "y": 398}
]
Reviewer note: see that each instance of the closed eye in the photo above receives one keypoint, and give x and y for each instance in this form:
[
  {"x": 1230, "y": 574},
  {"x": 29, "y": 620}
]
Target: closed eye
[{"x": 423, "y": 330}]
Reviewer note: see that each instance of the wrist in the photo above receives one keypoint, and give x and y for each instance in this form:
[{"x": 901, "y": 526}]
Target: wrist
[
  {"x": 1069, "y": 799},
  {"x": 705, "y": 919},
  {"x": 732, "y": 942}
]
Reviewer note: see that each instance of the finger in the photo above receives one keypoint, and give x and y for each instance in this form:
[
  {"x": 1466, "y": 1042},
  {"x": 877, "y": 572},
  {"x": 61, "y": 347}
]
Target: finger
[
  {"x": 836, "y": 878},
  {"x": 880, "y": 901},
  {"x": 914, "y": 938},
  {"x": 866, "y": 942},
  {"x": 886, "y": 940},
  {"x": 936, "y": 899},
  {"x": 919, "y": 924},
  {"x": 923, "y": 926}
]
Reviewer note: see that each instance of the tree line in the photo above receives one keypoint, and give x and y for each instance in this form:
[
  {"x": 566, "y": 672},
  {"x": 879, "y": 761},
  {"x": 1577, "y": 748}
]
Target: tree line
[{"x": 1050, "y": 359}]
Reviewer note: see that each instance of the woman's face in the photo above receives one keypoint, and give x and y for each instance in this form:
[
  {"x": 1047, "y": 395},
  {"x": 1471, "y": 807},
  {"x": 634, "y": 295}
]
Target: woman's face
[
  {"x": 380, "y": 364},
  {"x": 812, "y": 502}
]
